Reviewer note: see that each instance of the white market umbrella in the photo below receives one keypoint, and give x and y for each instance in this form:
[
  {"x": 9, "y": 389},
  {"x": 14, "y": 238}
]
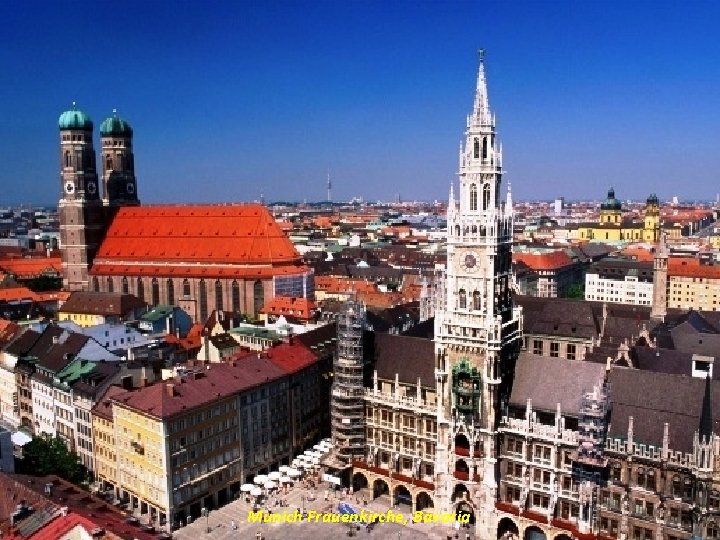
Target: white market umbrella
[
  {"x": 274, "y": 476},
  {"x": 256, "y": 492},
  {"x": 260, "y": 479},
  {"x": 293, "y": 473},
  {"x": 270, "y": 484},
  {"x": 284, "y": 469},
  {"x": 246, "y": 488},
  {"x": 318, "y": 447},
  {"x": 285, "y": 479}
]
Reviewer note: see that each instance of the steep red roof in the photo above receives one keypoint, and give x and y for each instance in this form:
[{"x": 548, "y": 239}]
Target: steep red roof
[
  {"x": 691, "y": 267},
  {"x": 301, "y": 308},
  {"x": 182, "y": 236},
  {"x": 292, "y": 358},
  {"x": 8, "y": 331},
  {"x": 553, "y": 260}
]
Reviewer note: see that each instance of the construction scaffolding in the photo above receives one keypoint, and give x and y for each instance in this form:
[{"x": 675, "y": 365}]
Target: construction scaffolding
[
  {"x": 347, "y": 407},
  {"x": 590, "y": 463}
]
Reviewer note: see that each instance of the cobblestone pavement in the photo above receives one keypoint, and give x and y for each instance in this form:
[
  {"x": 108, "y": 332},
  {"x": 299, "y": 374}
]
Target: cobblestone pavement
[{"x": 219, "y": 521}]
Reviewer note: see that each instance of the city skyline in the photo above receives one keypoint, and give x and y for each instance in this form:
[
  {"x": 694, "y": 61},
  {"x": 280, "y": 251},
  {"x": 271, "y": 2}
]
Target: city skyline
[{"x": 239, "y": 102}]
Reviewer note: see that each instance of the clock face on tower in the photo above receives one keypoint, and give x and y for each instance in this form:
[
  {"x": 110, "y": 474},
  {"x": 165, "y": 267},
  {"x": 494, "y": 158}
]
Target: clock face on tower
[
  {"x": 69, "y": 187},
  {"x": 91, "y": 188},
  {"x": 468, "y": 262},
  {"x": 130, "y": 188}
]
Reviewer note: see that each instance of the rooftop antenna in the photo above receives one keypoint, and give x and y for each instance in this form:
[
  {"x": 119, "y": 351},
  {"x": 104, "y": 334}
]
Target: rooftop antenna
[{"x": 329, "y": 187}]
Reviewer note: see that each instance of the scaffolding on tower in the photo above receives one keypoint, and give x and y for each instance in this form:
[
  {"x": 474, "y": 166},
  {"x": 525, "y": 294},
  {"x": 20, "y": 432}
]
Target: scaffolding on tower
[{"x": 590, "y": 463}]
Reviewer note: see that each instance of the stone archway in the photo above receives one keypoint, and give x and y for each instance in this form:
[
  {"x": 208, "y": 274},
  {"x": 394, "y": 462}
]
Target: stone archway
[
  {"x": 380, "y": 488},
  {"x": 534, "y": 533},
  {"x": 462, "y": 509},
  {"x": 460, "y": 492},
  {"x": 402, "y": 496},
  {"x": 423, "y": 500},
  {"x": 359, "y": 481},
  {"x": 462, "y": 444},
  {"x": 507, "y": 529}
]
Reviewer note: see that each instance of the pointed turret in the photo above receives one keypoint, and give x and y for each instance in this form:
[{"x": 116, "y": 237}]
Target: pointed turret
[
  {"x": 508, "y": 199},
  {"x": 481, "y": 110},
  {"x": 706, "y": 420}
]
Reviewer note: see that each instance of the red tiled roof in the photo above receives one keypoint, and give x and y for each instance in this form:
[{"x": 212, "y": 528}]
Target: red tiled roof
[
  {"x": 637, "y": 253},
  {"x": 332, "y": 284},
  {"x": 17, "y": 293},
  {"x": 292, "y": 358},
  {"x": 199, "y": 271},
  {"x": 242, "y": 234},
  {"x": 544, "y": 261},
  {"x": 691, "y": 267},
  {"x": 103, "y": 407},
  {"x": 8, "y": 331},
  {"x": 212, "y": 381},
  {"x": 193, "y": 340},
  {"x": 302, "y": 308},
  {"x": 32, "y": 267}
]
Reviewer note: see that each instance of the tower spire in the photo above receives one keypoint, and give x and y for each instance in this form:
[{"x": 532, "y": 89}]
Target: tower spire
[
  {"x": 706, "y": 420},
  {"x": 481, "y": 109}
]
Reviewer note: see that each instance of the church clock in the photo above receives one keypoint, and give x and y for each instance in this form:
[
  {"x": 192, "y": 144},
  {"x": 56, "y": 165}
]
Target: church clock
[
  {"x": 69, "y": 187},
  {"x": 468, "y": 261}
]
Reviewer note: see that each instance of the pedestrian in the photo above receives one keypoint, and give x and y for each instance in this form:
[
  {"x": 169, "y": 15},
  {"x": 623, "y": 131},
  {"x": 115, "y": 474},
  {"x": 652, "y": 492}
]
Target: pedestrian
[{"x": 233, "y": 526}]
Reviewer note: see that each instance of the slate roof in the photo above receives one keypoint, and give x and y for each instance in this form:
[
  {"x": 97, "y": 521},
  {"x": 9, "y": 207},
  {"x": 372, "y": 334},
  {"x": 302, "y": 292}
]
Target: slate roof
[
  {"x": 101, "y": 303},
  {"x": 666, "y": 361},
  {"x": 410, "y": 357},
  {"x": 536, "y": 378},
  {"x": 23, "y": 344},
  {"x": 674, "y": 399}
]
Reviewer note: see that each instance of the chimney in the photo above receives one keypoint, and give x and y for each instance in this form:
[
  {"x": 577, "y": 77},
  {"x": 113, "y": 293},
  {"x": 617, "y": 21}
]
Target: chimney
[{"x": 170, "y": 389}]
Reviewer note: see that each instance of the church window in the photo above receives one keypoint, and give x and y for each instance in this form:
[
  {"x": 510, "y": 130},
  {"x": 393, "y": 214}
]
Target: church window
[
  {"x": 484, "y": 148},
  {"x": 462, "y": 296},
  {"x": 186, "y": 287},
  {"x": 218, "y": 295},
  {"x": 125, "y": 286},
  {"x": 473, "y": 197},
  {"x": 170, "y": 286},
  {"x": 476, "y": 148},
  {"x": 486, "y": 196},
  {"x": 140, "y": 289},
  {"x": 110, "y": 287},
  {"x": 68, "y": 162},
  {"x": 258, "y": 296},
  {"x": 203, "y": 301},
  {"x": 155, "y": 292},
  {"x": 96, "y": 285},
  {"x": 476, "y": 300},
  {"x": 235, "y": 296}
]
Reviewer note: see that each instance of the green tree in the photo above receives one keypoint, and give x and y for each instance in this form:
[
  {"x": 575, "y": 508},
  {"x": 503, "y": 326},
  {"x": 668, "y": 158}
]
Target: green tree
[
  {"x": 44, "y": 455},
  {"x": 575, "y": 291}
]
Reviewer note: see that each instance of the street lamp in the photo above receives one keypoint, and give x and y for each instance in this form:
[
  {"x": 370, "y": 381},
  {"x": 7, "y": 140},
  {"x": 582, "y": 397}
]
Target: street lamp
[{"x": 206, "y": 514}]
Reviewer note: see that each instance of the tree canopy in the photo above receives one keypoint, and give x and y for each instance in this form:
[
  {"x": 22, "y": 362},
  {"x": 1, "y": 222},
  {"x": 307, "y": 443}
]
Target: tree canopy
[{"x": 44, "y": 455}]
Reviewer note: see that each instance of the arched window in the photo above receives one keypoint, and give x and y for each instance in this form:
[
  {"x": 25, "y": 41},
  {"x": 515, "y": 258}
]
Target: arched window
[
  {"x": 68, "y": 159},
  {"x": 473, "y": 197},
  {"x": 218, "y": 295},
  {"x": 125, "y": 286},
  {"x": 186, "y": 287},
  {"x": 155, "y": 292},
  {"x": 203, "y": 301},
  {"x": 258, "y": 296},
  {"x": 462, "y": 296},
  {"x": 170, "y": 286},
  {"x": 476, "y": 148},
  {"x": 641, "y": 477},
  {"x": 484, "y": 148},
  {"x": 140, "y": 289},
  {"x": 476, "y": 300},
  {"x": 457, "y": 230},
  {"x": 96, "y": 285},
  {"x": 486, "y": 196},
  {"x": 235, "y": 297},
  {"x": 110, "y": 287}
]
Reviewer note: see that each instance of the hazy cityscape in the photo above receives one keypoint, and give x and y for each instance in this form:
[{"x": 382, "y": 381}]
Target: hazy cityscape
[{"x": 251, "y": 288}]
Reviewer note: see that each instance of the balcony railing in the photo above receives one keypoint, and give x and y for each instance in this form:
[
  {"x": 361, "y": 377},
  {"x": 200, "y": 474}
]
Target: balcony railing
[
  {"x": 398, "y": 401},
  {"x": 520, "y": 425}
]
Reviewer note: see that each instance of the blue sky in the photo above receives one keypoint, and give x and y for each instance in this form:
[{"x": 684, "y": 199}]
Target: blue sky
[{"x": 229, "y": 100}]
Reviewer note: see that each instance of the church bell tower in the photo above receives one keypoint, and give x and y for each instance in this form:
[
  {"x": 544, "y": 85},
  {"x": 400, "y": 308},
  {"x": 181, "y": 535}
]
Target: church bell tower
[
  {"x": 477, "y": 329},
  {"x": 82, "y": 221},
  {"x": 118, "y": 164}
]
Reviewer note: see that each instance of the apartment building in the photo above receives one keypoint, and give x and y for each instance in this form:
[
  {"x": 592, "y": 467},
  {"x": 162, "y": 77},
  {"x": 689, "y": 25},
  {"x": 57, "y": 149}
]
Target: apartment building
[
  {"x": 693, "y": 284},
  {"x": 620, "y": 281}
]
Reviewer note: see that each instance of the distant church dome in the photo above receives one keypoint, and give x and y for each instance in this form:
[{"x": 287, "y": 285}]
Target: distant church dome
[
  {"x": 611, "y": 203},
  {"x": 75, "y": 119},
  {"x": 653, "y": 200},
  {"x": 114, "y": 126}
]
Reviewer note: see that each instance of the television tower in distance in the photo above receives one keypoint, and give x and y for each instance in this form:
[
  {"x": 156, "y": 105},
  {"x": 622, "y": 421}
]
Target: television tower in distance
[{"x": 329, "y": 186}]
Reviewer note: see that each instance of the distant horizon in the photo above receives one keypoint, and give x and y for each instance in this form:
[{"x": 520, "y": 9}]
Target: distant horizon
[{"x": 235, "y": 101}]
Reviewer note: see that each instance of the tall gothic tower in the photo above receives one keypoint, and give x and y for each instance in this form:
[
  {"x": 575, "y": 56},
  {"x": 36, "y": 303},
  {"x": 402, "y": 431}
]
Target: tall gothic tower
[
  {"x": 477, "y": 329},
  {"x": 658, "y": 311},
  {"x": 82, "y": 221},
  {"x": 118, "y": 161}
]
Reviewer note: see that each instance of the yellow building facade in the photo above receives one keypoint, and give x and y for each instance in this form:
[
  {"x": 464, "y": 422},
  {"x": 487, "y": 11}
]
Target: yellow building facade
[{"x": 612, "y": 228}]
